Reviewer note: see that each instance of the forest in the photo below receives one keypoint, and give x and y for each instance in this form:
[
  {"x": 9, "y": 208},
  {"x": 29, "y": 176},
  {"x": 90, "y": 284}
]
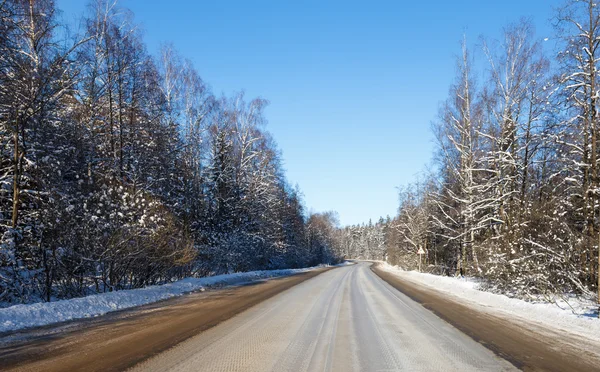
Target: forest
[
  {"x": 513, "y": 194},
  {"x": 120, "y": 169}
]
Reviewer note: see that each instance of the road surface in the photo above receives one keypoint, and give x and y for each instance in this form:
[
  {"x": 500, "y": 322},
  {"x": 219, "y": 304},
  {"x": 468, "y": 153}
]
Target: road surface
[
  {"x": 119, "y": 340},
  {"x": 347, "y": 319}
]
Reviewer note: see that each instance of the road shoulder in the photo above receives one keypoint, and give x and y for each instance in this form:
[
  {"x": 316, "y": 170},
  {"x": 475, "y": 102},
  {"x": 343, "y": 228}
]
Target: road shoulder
[{"x": 527, "y": 349}]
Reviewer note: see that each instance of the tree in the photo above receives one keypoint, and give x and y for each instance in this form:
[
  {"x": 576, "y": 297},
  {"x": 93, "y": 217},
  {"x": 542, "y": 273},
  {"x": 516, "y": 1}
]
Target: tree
[
  {"x": 579, "y": 22},
  {"x": 458, "y": 133},
  {"x": 36, "y": 85}
]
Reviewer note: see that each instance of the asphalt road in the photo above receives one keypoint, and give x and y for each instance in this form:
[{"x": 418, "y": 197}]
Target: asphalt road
[
  {"x": 346, "y": 319},
  {"x": 119, "y": 340}
]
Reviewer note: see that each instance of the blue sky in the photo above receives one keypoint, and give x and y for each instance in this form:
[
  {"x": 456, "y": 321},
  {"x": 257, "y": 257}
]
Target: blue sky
[{"x": 353, "y": 86}]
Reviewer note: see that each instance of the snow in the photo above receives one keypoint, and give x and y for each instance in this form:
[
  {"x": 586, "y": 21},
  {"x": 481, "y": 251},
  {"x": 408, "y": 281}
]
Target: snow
[
  {"x": 577, "y": 316},
  {"x": 32, "y": 315}
]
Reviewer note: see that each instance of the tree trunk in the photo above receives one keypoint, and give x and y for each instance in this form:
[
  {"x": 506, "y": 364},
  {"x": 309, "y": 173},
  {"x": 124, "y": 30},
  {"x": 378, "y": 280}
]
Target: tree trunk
[{"x": 16, "y": 175}]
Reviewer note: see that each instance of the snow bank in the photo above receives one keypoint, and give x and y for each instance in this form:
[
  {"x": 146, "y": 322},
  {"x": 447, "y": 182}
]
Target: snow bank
[
  {"x": 577, "y": 316},
  {"x": 38, "y": 314}
]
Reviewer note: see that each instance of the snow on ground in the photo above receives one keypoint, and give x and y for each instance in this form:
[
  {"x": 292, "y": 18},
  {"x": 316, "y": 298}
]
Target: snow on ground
[
  {"x": 38, "y": 314},
  {"x": 576, "y": 316}
]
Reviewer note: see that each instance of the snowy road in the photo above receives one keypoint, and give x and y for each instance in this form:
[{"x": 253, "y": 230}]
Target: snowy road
[{"x": 346, "y": 319}]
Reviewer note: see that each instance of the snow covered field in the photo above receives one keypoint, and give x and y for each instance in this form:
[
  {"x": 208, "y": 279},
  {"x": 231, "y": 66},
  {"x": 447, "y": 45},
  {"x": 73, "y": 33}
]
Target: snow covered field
[
  {"x": 38, "y": 314},
  {"x": 577, "y": 316}
]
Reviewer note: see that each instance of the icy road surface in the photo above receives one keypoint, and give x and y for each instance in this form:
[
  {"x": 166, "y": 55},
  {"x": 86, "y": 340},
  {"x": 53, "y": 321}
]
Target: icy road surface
[{"x": 346, "y": 319}]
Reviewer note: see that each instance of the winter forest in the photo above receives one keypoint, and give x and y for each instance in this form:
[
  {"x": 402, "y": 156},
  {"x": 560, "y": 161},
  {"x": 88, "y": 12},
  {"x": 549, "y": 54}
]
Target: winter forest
[
  {"x": 514, "y": 194},
  {"x": 119, "y": 169}
]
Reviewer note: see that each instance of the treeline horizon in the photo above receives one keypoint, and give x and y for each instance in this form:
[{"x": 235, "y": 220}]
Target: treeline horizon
[
  {"x": 515, "y": 194},
  {"x": 119, "y": 169}
]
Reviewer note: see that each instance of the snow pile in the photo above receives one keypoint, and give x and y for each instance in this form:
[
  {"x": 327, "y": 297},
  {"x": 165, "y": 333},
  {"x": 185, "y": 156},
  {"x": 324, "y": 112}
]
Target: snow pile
[
  {"x": 38, "y": 314},
  {"x": 577, "y": 316}
]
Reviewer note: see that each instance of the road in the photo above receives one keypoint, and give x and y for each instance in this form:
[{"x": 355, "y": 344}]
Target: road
[
  {"x": 347, "y": 319},
  {"x": 119, "y": 340}
]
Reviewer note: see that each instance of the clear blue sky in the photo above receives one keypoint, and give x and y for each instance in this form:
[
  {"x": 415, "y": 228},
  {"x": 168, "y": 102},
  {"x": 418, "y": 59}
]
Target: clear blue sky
[{"x": 353, "y": 86}]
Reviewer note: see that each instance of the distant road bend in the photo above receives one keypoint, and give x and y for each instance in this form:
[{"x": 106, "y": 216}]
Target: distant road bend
[{"x": 346, "y": 319}]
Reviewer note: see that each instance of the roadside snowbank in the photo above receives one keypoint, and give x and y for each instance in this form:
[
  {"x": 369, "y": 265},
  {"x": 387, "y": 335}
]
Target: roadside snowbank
[
  {"x": 38, "y": 314},
  {"x": 576, "y": 316}
]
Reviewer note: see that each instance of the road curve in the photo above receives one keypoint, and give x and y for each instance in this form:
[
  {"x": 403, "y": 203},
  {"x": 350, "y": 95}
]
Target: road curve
[{"x": 346, "y": 319}]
